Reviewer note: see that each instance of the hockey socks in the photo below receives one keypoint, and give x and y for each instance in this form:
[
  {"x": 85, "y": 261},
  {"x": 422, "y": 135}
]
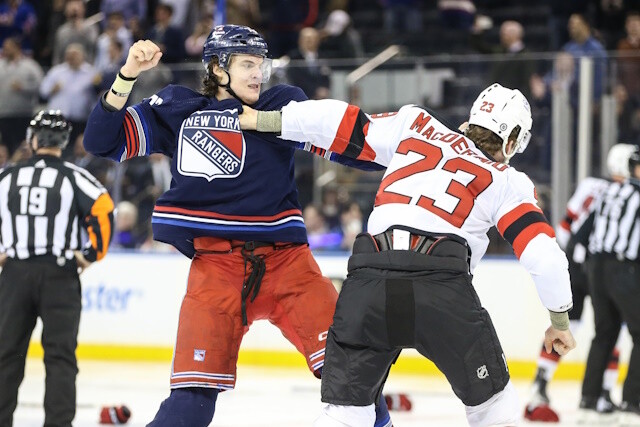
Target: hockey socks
[
  {"x": 187, "y": 407},
  {"x": 383, "y": 419}
]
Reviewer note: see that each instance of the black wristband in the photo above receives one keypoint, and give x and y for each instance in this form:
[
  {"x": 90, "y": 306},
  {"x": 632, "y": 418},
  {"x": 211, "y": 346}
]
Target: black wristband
[{"x": 128, "y": 79}]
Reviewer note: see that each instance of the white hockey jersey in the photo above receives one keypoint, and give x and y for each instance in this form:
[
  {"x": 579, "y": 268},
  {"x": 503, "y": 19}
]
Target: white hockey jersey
[
  {"x": 588, "y": 190},
  {"x": 438, "y": 181}
]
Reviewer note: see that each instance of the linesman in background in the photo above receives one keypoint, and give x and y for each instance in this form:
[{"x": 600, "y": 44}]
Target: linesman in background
[
  {"x": 613, "y": 268},
  {"x": 44, "y": 205}
]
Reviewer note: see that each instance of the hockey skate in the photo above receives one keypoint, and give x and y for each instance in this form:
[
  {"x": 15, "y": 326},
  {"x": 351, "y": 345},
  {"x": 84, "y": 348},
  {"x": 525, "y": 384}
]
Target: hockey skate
[
  {"x": 598, "y": 411},
  {"x": 629, "y": 415},
  {"x": 538, "y": 408}
]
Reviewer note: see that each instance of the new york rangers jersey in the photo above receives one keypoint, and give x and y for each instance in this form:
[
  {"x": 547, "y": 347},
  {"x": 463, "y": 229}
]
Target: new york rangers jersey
[
  {"x": 438, "y": 181},
  {"x": 225, "y": 183}
]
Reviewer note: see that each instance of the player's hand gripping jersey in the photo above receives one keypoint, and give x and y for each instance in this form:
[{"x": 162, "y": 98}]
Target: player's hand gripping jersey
[{"x": 438, "y": 181}]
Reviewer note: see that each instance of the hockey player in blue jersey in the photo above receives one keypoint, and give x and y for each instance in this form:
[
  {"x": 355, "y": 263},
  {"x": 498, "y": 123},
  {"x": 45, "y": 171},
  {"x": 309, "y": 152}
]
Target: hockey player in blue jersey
[{"x": 232, "y": 208}]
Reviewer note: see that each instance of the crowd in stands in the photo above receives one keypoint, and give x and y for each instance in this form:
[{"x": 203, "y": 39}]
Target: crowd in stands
[{"x": 63, "y": 54}]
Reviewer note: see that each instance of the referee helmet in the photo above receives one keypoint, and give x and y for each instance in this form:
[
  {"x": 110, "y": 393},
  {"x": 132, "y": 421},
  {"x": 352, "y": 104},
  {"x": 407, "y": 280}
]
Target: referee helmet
[{"x": 51, "y": 128}]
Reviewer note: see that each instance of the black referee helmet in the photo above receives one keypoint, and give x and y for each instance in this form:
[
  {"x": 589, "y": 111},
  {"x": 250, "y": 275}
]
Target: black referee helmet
[{"x": 51, "y": 128}]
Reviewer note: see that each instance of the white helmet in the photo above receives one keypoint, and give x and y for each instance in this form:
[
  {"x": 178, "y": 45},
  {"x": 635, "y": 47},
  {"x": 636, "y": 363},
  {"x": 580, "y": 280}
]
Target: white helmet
[
  {"x": 500, "y": 110},
  {"x": 618, "y": 159}
]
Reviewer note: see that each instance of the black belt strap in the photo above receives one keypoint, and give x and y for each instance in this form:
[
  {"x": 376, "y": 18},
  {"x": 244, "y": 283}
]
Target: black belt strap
[{"x": 252, "y": 283}]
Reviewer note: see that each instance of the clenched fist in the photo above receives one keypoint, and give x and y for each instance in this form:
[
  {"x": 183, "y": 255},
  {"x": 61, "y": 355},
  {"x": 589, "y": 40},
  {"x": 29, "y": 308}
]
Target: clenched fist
[
  {"x": 143, "y": 55},
  {"x": 560, "y": 341}
]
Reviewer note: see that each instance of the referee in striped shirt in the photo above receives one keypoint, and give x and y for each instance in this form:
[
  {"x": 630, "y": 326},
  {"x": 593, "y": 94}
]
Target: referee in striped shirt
[
  {"x": 613, "y": 268},
  {"x": 44, "y": 205}
]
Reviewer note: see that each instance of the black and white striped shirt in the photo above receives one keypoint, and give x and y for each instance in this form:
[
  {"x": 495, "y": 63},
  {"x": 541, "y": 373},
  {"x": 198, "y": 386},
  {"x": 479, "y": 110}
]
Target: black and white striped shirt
[
  {"x": 615, "y": 225},
  {"x": 44, "y": 205}
]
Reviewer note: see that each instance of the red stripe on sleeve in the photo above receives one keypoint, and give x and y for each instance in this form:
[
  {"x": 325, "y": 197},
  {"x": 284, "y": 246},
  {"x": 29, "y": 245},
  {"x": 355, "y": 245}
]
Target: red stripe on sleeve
[
  {"x": 511, "y": 217},
  {"x": 571, "y": 215},
  {"x": 564, "y": 224},
  {"x": 526, "y": 235},
  {"x": 367, "y": 153},
  {"x": 340, "y": 142},
  {"x": 135, "y": 142}
]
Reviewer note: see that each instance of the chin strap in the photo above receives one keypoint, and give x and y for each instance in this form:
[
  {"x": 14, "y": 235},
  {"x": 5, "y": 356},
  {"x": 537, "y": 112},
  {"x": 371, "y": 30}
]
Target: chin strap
[{"x": 228, "y": 86}]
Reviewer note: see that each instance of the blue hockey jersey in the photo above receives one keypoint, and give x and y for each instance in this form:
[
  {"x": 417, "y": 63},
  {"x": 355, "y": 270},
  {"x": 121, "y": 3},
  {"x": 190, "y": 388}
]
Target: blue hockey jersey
[{"x": 226, "y": 183}]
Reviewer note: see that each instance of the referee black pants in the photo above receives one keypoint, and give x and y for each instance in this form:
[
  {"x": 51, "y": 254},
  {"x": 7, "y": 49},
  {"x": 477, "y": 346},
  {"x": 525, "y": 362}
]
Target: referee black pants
[
  {"x": 615, "y": 294},
  {"x": 28, "y": 290}
]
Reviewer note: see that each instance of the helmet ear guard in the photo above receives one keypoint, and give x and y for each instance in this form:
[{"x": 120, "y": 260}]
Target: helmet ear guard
[
  {"x": 501, "y": 110},
  {"x": 51, "y": 128}
]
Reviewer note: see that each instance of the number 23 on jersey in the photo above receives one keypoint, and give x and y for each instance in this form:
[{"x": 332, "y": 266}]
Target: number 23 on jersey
[{"x": 432, "y": 156}]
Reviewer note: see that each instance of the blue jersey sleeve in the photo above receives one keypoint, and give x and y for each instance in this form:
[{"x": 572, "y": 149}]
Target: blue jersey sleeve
[{"x": 150, "y": 126}]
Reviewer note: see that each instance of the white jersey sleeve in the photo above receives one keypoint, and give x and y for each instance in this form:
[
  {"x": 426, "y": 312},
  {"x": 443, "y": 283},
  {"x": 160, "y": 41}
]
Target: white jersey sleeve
[
  {"x": 522, "y": 223},
  {"x": 578, "y": 208},
  {"x": 344, "y": 129}
]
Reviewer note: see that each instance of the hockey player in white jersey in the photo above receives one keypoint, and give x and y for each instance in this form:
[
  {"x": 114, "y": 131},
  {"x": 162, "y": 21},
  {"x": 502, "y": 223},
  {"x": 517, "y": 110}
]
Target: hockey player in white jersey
[
  {"x": 578, "y": 209},
  {"x": 409, "y": 283}
]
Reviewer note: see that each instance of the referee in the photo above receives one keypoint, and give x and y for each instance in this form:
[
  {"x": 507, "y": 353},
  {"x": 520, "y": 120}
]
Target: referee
[
  {"x": 613, "y": 267},
  {"x": 44, "y": 205}
]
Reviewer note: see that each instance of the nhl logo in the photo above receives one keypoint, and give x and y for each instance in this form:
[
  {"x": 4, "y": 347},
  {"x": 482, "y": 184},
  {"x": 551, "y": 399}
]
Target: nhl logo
[
  {"x": 211, "y": 145},
  {"x": 482, "y": 372}
]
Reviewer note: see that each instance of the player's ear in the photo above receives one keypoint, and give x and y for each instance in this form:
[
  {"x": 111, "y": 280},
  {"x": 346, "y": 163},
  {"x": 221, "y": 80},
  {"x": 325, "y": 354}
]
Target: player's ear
[{"x": 220, "y": 74}]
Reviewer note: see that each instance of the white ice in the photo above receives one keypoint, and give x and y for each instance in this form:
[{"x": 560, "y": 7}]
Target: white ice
[{"x": 263, "y": 396}]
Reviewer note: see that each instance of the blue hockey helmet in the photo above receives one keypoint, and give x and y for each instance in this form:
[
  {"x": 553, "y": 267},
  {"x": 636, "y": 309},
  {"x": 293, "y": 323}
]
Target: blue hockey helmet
[{"x": 226, "y": 40}]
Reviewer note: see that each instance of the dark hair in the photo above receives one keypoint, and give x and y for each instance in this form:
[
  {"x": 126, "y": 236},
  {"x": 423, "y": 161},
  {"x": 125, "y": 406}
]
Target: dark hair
[
  {"x": 486, "y": 140},
  {"x": 210, "y": 82}
]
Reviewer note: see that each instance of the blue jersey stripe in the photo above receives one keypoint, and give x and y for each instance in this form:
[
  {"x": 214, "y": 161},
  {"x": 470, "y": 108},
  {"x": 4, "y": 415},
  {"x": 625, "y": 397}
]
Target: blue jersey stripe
[{"x": 201, "y": 226}]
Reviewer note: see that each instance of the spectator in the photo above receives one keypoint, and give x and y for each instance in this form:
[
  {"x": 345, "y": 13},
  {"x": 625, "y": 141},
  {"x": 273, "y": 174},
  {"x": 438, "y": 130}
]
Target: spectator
[
  {"x": 132, "y": 10},
  {"x": 320, "y": 237},
  {"x": 20, "y": 78},
  {"x": 125, "y": 235},
  {"x": 179, "y": 15},
  {"x": 193, "y": 44},
  {"x": 71, "y": 87},
  {"x": 339, "y": 38},
  {"x": 111, "y": 65},
  {"x": 351, "y": 225},
  {"x": 312, "y": 76},
  {"x": 75, "y": 30},
  {"x": 288, "y": 17},
  {"x": 50, "y": 18},
  {"x": 457, "y": 14},
  {"x": 167, "y": 37},
  {"x": 4, "y": 156},
  {"x": 98, "y": 167},
  {"x": 18, "y": 19},
  {"x": 243, "y": 12},
  {"x": 402, "y": 15},
  {"x": 584, "y": 44},
  {"x": 151, "y": 82},
  {"x": 114, "y": 29},
  {"x": 629, "y": 62},
  {"x": 514, "y": 69}
]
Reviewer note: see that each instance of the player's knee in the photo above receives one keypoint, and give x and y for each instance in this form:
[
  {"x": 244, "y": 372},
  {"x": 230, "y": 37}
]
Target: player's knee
[
  {"x": 346, "y": 416},
  {"x": 502, "y": 409},
  {"x": 192, "y": 407}
]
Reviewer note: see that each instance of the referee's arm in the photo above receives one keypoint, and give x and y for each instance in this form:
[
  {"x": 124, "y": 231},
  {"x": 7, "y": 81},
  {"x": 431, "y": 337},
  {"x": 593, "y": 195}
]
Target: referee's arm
[
  {"x": 96, "y": 208},
  {"x": 99, "y": 225}
]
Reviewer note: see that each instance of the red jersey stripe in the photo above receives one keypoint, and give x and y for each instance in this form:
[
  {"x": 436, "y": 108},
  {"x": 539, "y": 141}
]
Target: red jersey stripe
[
  {"x": 523, "y": 239},
  {"x": 512, "y": 216},
  {"x": 341, "y": 141},
  {"x": 169, "y": 209}
]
